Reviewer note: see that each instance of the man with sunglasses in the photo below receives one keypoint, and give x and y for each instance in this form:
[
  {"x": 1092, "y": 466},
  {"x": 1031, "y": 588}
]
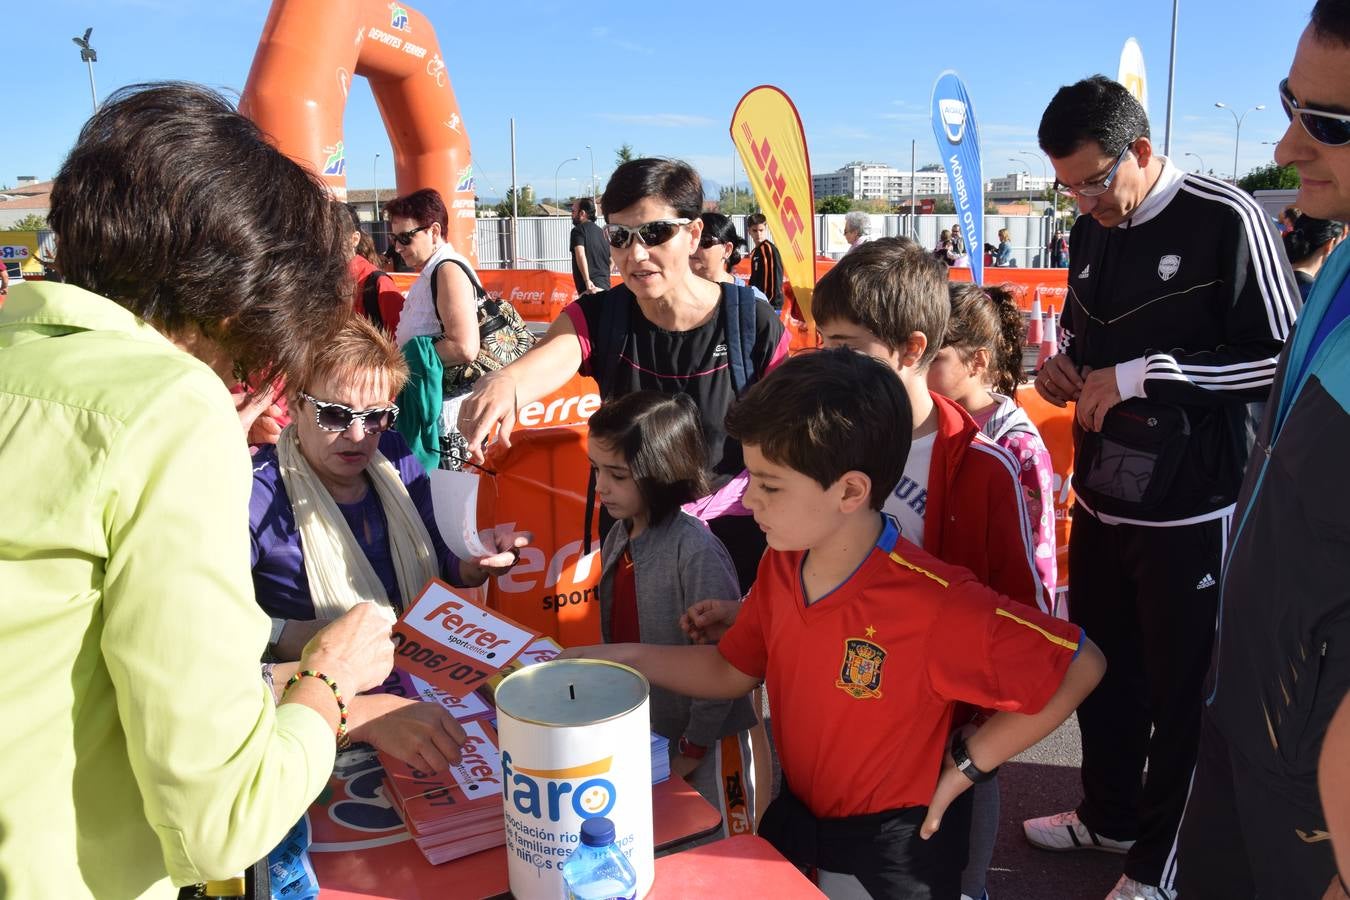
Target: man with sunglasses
[
  {"x": 1255, "y": 825},
  {"x": 1180, "y": 300}
]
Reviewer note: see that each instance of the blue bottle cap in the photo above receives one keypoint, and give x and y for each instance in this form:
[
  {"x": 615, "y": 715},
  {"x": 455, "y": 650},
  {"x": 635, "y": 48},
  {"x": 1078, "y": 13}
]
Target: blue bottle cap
[{"x": 597, "y": 832}]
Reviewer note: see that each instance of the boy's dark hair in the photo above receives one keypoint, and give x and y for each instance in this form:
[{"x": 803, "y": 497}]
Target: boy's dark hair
[
  {"x": 719, "y": 229},
  {"x": 176, "y": 207},
  {"x": 587, "y": 206},
  {"x": 827, "y": 413},
  {"x": 670, "y": 181},
  {"x": 1331, "y": 21},
  {"x": 424, "y": 207},
  {"x": 661, "y": 437},
  {"x": 1094, "y": 109},
  {"x": 755, "y": 219},
  {"x": 988, "y": 317},
  {"x": 890, "y": 286}
]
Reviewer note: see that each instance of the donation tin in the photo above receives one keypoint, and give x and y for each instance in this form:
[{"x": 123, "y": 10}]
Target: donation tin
[{"x": 576, "y": 744}]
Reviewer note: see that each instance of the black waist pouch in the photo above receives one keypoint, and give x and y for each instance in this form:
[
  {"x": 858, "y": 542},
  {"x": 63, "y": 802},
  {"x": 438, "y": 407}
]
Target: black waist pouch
[
  {"x": 882, "y": 850},
  {"x": 1129, "y": 467}
]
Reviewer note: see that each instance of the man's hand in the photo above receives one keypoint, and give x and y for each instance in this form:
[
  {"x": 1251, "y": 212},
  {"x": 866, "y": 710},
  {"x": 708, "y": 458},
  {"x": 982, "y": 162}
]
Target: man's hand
[
  {"x": 707, "y": 620},
  {"x": 1099, "y": 394},
  {"x": 1059, "y": 381}
]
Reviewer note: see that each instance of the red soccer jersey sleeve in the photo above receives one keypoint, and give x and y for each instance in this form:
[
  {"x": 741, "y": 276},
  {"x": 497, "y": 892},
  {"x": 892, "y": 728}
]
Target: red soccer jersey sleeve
[
  {"x": 996, "y": 653},
  {"x": 746, "y": 644}
]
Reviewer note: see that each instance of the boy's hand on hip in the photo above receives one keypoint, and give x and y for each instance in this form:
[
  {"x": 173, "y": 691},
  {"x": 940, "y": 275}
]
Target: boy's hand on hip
[{"x": 952, "y": 783}]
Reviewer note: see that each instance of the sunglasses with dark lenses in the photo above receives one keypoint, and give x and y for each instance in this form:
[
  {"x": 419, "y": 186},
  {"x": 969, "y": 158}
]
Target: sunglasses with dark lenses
[
  {"x": 651, "y": 234},
  {"x": 404, "y": 238},
  {"x": 337, "y": 417},
  {"x": 1330, "y": 128}
]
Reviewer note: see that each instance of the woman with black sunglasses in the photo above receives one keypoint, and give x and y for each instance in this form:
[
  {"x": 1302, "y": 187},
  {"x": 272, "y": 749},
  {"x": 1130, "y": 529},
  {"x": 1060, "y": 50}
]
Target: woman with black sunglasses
[
  {"x": 719, "y": 250},
  {"x": 664, "y": 329},
  {"x": 438, "y": 329}
]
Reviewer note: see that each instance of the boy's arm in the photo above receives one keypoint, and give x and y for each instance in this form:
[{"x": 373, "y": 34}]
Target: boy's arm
[
  {"x": 698, "y": 671},
  {"x": 1008, "y": 733}
]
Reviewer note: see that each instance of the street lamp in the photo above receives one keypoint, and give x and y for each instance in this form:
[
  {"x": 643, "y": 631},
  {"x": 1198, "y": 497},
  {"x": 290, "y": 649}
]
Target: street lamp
[
  {"x": 592, "y": 153},
  {"x": 1238, "y": 137},
  {"x": 559, "y": 169},
  {"x": 375, "y": 179},
  {"x": 89, "y": 56},
  {"x": 1197, "y": 156}
]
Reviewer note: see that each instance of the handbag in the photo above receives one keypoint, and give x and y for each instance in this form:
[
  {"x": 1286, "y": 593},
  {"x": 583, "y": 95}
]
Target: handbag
[
  {"x": 503, "y": 336},
  {"x": 1128, "y": 468}
]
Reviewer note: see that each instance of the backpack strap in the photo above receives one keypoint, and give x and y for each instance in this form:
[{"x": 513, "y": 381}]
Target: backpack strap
[
  {"x": 738, "y": 321},
  {"x": 370, "y": 298}
]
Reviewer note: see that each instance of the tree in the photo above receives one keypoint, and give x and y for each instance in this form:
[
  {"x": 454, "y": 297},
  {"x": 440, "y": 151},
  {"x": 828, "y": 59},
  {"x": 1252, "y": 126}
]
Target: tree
[
  {"x": 624, "y": 154},
  {"x": 525, "y": 205},
  {"x": 931, "y": 167},
  {"x": 736, "y": 201},
  {"x": 943, "y": 205},
  {"x": 30, "y": 222},
  {"x": 1270, "y": 177},
  {"x": 827, "y": 205}
]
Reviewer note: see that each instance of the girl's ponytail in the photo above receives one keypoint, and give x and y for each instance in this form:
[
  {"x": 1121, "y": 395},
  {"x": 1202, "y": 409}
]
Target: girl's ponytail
[{"x": 988, "y": 318}]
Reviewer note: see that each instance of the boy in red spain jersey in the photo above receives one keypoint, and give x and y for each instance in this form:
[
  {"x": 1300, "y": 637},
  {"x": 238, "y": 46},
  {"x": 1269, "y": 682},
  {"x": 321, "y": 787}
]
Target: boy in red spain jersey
[{"x": 866, "y": 643}]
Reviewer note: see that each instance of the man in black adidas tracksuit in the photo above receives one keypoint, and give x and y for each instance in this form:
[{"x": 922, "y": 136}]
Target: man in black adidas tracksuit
[{"x": 1179, "y": 303}]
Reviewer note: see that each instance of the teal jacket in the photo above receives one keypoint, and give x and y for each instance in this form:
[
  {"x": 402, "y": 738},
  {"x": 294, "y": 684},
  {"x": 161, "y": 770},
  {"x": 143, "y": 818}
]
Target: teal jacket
[
  {"x": 419, "y": 403},
  {"x": 142, "y": 749}
]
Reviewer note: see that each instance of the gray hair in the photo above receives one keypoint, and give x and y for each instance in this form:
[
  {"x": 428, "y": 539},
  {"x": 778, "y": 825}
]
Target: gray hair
[{"x": 857, "y": 221}]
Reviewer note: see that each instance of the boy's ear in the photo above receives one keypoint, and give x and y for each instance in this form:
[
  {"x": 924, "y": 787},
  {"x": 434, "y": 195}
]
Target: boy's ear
[
  {"x": 912, "y": 352},
  {"x": 855, "y": 491}
]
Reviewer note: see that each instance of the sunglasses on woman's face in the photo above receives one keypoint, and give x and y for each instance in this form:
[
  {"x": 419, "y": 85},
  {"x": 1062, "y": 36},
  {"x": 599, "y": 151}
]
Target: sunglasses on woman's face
[
  {"x": 404, "y": 238},
  {"x": 337, "y": 417},
  {"x": 1329, "y": 128},
  {"x": 651, "y": 234}
]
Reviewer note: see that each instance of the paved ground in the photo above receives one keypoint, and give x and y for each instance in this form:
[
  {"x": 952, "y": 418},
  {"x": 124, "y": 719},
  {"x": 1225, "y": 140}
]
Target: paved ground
[{"x": 1041, "y": 781}]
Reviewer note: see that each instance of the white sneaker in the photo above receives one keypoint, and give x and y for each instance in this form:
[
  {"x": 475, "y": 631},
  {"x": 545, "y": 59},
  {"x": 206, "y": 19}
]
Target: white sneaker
[
  {"x": 1129, "y": 889},
  {"x": 1063, "y": 831}
]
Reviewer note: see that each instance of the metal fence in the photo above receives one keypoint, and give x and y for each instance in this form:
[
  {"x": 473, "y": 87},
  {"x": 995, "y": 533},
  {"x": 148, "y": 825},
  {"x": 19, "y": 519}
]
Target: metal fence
[{"x": 542, "y": 240}]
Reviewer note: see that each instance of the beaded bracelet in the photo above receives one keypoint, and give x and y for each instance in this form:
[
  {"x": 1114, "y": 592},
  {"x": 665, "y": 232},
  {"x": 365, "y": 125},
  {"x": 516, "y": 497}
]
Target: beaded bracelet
[{"x": 342, "y": 738}]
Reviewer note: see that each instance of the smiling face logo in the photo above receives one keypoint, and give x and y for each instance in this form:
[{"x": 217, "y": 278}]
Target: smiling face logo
[{"x": 594, "y": 799}]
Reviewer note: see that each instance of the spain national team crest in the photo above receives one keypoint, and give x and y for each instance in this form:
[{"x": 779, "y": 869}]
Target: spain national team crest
[{"x": 860, "y": 674}]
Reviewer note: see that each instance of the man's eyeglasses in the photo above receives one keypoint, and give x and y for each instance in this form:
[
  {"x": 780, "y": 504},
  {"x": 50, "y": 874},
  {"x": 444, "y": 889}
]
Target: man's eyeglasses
[
  {"x": 1095, "y": 188},
  {"x": 337, "y": 417},
  {"x": 1329, "y": 128},
  {"x": 651, "y": 234},
  {"x": 404, "y": 238}
]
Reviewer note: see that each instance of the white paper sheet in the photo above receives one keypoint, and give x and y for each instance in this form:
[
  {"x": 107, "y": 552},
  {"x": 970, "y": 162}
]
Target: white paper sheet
[{"x": 455, "y": 497}]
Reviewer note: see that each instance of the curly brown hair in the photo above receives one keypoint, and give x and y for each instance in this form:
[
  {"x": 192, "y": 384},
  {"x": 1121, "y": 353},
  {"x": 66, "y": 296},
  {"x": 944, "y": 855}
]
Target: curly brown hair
[
  {"x": 988, "y": 317},
  {"x": 176, "y": 207}
]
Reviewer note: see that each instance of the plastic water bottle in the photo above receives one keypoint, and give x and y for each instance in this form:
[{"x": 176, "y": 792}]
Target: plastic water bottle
[{"x": 597, "y": 869}]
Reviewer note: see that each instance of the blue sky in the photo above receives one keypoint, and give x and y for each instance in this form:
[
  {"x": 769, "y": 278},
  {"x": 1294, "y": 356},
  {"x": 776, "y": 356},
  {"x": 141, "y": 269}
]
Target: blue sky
[{"x": 665, "y": 77}]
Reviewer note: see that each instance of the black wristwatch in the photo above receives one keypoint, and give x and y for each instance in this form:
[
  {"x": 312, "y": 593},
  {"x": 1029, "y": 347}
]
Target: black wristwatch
[{"x": 967, "y": 766}]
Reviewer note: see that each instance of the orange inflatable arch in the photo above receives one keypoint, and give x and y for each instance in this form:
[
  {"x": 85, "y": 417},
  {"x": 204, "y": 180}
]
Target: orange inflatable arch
[{"x": 297, "y": 92}]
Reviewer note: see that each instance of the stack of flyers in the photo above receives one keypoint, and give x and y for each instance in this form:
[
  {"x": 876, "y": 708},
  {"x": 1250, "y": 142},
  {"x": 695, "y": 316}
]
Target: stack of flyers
[
  {"x": 660, "y": 758},
  {"x": 457, "y": 812},
  {"x": 468, "y": 708}
]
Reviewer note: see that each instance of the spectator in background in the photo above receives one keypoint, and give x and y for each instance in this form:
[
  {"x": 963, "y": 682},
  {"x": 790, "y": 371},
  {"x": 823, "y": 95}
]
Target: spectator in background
[
  {"x": 1289, "y": 218},
  {"x": 374, "y": 293},
  {"x": 959, "y": 255},
  {"x": 943, "y": 250},
  {"x": 719, "y": 249},
  {"x": 1058, "y": 251},
  {"x": 1003, "y": 254},
  {"x": 857, "y": 229},
  {"x": 4, "y": 279},
  {"x": 1308, "y": 245},
  {"x": 590, "y": 250},
  {"x": 766, "y": 264}
]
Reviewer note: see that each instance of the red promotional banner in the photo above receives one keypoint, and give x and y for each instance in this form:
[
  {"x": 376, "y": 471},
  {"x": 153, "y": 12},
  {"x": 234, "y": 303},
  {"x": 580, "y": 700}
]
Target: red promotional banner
[{"x": 454, "y": 644}]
